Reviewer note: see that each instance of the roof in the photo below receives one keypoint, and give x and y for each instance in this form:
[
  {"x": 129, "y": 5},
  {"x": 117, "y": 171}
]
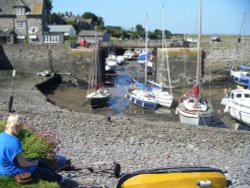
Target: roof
[
  {"x": 7, "y": 33},
  {"x": 34, "y": 7},
  {"x": 77, "y": 19},
  {"x": 60, "y": 28},
  {"x": 90, "y": 33}
]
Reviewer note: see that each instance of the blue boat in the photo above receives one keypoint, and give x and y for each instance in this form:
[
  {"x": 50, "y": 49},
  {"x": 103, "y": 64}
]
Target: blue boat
[
  {"x": 143, "y": 57},
  {"x": 141, "y": 98},
  {"x": 241, "y": 77}
]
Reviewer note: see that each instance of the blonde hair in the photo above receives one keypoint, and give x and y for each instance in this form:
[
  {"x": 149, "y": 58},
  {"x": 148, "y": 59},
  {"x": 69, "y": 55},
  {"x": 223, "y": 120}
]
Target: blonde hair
[{"x": 13, "y": 121}]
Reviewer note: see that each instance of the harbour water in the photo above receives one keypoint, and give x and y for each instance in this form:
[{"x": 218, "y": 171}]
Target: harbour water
[{"x": 73, "y": 98}]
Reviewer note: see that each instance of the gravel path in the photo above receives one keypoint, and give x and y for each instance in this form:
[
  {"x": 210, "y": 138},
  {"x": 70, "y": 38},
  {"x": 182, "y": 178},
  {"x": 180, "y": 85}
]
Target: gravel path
[{"x": 134, "y": 144}]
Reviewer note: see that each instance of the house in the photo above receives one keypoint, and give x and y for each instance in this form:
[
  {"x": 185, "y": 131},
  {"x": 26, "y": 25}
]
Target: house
[
  {"x": 59, "y": 33},
  {"x": 22, "y": 21},
  {"x": 90, "y": 36},
  {"x": 81, "y": 23}
]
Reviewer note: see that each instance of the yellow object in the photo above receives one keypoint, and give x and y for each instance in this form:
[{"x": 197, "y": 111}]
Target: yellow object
[{"x": 180, "y": 177}]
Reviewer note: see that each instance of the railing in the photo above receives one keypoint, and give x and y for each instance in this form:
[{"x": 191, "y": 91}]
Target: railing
[{"x": 138, "y": 44}]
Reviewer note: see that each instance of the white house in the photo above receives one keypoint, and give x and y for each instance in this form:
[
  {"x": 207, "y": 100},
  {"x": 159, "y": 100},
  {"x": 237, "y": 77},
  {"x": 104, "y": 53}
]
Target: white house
[{"x": 59, "y": 33}]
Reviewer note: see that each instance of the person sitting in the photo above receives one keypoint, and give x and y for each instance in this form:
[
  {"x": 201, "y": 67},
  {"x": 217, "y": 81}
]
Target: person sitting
[{"x": 13, "y": 162}]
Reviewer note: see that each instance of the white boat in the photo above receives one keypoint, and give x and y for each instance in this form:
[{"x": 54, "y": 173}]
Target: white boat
[
  {"x": 111, "y": 60},
  {"x": 97, "y": 95},
  {"x": 120, "y": 59},
  {"x": 193, "y": 107},
  {"x": 194, "y": 110},
  {"x": 237, "y": 104},
  {"x": 128, "y": 54},
  {"x": 163, "y": 97}
]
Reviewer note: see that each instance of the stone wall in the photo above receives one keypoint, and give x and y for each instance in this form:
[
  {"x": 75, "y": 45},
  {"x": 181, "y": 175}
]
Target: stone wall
[
  {"x": 6, "y": 24},
  {"x": 223, "y": 59},
  {"x": 182, "y": 62},
  {"x": 36, "y": 58}
]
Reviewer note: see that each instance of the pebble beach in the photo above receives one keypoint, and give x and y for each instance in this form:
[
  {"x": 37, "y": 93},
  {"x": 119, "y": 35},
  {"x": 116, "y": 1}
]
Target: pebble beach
[{"x": 135, "y": 144}]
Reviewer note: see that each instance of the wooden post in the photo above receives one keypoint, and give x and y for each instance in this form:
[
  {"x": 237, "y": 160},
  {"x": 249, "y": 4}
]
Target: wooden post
[{"x": 10, "y": 103}]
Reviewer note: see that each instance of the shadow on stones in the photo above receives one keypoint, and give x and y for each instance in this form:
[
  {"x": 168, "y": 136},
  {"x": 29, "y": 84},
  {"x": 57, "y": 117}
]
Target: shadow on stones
[
  {"x": 4, "y": 61},
  {"x": 50, "y": 85}
]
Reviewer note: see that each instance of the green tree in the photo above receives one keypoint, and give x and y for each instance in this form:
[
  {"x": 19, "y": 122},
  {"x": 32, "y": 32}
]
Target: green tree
[
  {"x": 140, "y": 30},
  {"x": 158, "y": 33},
  {"x": 115, "y": 31},
  {"x": 95, "y": 19},
  {"x": 48, "y": 4}
]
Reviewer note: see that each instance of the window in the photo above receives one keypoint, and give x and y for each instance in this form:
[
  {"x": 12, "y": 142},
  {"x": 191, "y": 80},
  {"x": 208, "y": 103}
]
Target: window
[
  {"x": 247, "y": 95},
  {"x": 52, "y": 39},
  {"x": 33, "y": 30},
  {"x": 20, "y": 24},
  {"x": 238, "y": 95},
  {"x": 20, "y": 11}
]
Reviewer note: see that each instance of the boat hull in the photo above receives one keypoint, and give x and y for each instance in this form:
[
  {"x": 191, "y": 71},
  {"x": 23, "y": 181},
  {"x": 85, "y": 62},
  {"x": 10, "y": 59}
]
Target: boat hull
[
  {"x": 240, "y": 77},
  {"x": 141, "y": 101},
  {"x": 237, "y": 105},
  {"x": 98, "y": 98},
  {"x": 164, "y": 99},
  {"x": 194, "y": 117},
  {"x": 241, "y": 115},
  {"x": 178, "y": 177},
  {"x": 96, "y": 102}
]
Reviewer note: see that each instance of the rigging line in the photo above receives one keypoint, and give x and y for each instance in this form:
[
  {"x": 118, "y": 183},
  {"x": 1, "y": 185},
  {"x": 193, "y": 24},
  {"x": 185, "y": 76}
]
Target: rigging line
[
  {"x": 165, "y": 46},
  {"x": 146, "y": 49},
  {"x": 236, "y": 50},
  {"x": 185, "y": 70},
  {"x": 198, "y": 71},
  {"x": 210, "y": 82}
]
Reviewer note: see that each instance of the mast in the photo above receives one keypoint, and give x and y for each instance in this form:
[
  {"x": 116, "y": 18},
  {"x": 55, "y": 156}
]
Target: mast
[
  {"x": 93, "y": 75},
  {"x": 146, "y": 49},
  {"x": 198, "y": 71},
  {"x": 164, "y": 45}
]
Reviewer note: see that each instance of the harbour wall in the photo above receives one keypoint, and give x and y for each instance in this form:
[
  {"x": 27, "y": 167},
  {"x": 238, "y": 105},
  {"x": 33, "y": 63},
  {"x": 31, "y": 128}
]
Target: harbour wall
[
  {"x": 63, "y": 59},
  {"x": 183, "y": 62},
  {"x": 37, "y": 58}
]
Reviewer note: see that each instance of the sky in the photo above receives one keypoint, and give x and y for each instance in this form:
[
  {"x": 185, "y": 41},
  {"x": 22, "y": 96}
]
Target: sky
[{"x": 180, "y": 16}]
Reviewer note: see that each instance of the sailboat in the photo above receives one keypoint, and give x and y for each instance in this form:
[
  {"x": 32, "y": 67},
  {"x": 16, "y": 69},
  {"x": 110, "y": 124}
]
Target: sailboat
[
  {"x": 163, "y": 97},
  {"x": 97, "y": 95},
  {"x": 137, "y": 92},
  {"x": 193, "y": 108},
  {"x": 240, "y": 75}
]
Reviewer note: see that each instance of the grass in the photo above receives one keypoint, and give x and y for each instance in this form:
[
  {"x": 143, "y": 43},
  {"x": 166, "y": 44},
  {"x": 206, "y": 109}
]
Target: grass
[
  {"x": 10, "y": 182},
  {"x": 227, "y": 41},
  {"x": 181, "y": 51}
]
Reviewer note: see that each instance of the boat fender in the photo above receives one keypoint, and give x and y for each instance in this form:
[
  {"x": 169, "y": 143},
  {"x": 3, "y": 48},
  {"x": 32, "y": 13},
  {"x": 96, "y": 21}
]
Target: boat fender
[
  {"x": 177, "y": 111},
  {"x": 226, "y": 108},
  {"x": 204, "y": 183}
]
